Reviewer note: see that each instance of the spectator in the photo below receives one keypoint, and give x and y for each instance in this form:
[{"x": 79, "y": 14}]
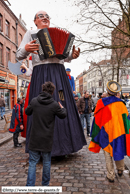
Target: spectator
[
  {"x": 71, "y": 80},
  {"x": 2, "y": 106},
  {"x": 85, "y": 108},
  {"x": 43, "y": 109},
  {"x": 118, "y": 95},
  {"x": 104, "y": 95},
  {"x": 110, "y": 130},
  {"x": 94, "y": 99},
  {"x": 16, "y": 124},
  {"x": 23, "y": 98},
  {"x": 76, "y": 99}
]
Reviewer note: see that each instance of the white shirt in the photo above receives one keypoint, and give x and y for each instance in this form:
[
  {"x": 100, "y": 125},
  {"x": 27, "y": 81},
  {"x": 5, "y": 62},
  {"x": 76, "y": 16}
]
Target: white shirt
[{"x": 22, "y": 53}]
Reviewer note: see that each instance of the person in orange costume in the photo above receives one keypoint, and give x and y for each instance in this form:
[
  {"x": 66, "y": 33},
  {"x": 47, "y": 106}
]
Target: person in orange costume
[{"x": 111, "y": 130}]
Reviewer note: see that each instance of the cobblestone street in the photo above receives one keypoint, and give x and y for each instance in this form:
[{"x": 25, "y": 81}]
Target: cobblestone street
[{"x": 81, "y": 172}]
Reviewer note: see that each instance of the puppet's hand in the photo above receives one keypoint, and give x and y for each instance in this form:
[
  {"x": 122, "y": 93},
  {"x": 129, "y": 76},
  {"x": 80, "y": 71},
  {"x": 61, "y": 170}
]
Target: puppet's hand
[
  {"x": 23, "y": 67},
  {"x": 31, "y": 47},
  {"x": 75, "y": 53}
]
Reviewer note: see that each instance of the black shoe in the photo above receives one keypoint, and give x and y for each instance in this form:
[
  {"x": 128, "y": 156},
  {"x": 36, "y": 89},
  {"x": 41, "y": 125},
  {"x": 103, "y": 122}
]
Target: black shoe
[
  {"x": 110, "y": 180},
  {"x": 120, "y": 172},
  {"x": 19, "y": 143},
  {"x": 18, "y": 146},
  {"x": 2, "y": 118}
]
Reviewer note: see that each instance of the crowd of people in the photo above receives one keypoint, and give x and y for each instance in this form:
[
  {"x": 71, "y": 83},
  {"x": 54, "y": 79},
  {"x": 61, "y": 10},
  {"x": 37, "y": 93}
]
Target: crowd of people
[{"x": 108, "y": 110}]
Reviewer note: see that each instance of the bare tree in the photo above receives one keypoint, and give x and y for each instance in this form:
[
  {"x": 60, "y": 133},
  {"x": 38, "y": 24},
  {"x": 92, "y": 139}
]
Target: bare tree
[
  {"x": 100, "y": 18},
  {"x": 106, "y": 26}
]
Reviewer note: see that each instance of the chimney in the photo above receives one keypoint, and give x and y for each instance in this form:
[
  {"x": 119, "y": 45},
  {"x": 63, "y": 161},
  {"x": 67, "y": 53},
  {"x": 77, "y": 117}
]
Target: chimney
[{"x": 20, "y": 17}]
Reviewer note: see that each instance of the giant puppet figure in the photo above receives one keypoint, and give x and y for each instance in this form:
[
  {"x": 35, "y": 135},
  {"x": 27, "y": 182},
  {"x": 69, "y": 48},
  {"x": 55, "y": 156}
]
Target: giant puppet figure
[{"x": 68, "y": 133}]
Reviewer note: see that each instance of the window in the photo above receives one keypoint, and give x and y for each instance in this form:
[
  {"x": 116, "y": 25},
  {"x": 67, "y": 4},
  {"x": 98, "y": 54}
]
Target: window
[
  {"x": 7, "y": 56},
  {"x": 1, "y": 23},
  {"x": 13, "y": 34},
  {"x": 100, "y": 83},
  {"x": 7, "y": 28},
  {"x": 88, "y": 85},
  {"x": 14, "y": 57},
  {"x": 20, "y": 37},
  {"x": 1, "y": 53}
]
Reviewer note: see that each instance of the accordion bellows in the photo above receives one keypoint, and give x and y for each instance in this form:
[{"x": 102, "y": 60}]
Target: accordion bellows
[{"x": 54, "y": 42}]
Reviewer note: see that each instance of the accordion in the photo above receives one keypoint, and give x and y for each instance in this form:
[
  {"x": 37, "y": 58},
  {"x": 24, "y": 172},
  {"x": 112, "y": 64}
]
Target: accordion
[{"x": 53, "y": 42}]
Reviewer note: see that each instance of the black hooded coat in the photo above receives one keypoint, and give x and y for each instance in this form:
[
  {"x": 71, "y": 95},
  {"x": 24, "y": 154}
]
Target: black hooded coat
[{"x": 43, "y": 109}]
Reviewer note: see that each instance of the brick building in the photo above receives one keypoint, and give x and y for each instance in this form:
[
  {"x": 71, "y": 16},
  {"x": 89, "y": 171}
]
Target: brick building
[
  {"x": 121, "y": 56},
  {"x": 119, "y": 38},
  {"x": 12, "y": 31},
  {"x": 79, "y": 89}
]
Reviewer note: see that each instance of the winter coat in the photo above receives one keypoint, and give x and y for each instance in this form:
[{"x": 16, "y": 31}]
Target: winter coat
[
  {"x": 81, "y": 105},
  {"x": 2, "y": 102},
  {"x": 43, "y": 109},
  {"x": 16, "y": 119},
  {"x": 110, "y": 128},
  {"x": 76, "y": 102}
]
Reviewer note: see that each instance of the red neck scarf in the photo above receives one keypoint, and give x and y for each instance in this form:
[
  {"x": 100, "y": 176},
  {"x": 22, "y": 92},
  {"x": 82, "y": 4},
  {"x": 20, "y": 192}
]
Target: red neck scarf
[{"x": 69, "y": 76}]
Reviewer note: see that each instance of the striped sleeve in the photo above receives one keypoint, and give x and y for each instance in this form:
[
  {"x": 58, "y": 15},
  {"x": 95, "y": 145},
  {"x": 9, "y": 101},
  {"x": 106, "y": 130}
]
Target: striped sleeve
[{"x": 18, "y": 114}]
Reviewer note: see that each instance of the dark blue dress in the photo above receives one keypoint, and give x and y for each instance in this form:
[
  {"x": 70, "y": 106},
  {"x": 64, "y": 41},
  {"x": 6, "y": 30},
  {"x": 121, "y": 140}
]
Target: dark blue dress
[{"x": 68, "y": 132}]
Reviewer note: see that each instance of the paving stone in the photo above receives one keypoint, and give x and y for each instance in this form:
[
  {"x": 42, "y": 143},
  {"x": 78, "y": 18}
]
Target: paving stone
[
  {"x": 59, "y": 170},
  {"x": 100, "y": 178},
  {"x": 59, "y": 177},
  {"x": 116, "y": 192},
  {"x": 90, "y": 178},
  {"x": 78, "y": 185},
  {"x": 90, "y": 185},
  {"x": 84, "y": 190},
  {"x": 21, "y": 179},
  {"x": 108, "y": 191},
  {"x": 72, "y": 189},
  {"x": 69, "y": 177},
  {"x": 97, "y": 190},
  {"x": 67, "y": 184},
  {"x": 81, "y": 172},
  {"x": 98, "y": 172}
]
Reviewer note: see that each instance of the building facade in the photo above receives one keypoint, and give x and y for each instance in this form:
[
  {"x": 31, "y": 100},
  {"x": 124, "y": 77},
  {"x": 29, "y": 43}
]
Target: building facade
[
  {"x": 96, "y": 77},
  {"x": 12, "y": 31}
]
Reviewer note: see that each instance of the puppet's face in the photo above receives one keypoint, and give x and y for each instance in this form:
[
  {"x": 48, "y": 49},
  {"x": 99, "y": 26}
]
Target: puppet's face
[{"x": 42, "y": 20}]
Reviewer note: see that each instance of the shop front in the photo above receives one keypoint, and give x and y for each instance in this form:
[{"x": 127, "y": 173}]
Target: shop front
[
  {"x": 126, "y": 91},
  {"x": 8, "y": 88},
  {"x": 23, "y": 85}
]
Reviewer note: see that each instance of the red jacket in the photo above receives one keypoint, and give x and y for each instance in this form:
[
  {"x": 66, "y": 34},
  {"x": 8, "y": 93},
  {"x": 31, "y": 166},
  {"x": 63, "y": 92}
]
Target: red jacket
[{"x": 16, "y": 119}]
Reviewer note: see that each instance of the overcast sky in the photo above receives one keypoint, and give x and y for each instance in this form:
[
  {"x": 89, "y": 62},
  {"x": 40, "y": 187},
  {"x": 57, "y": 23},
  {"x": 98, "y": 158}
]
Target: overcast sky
[{"x": 62, "y": 13}]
